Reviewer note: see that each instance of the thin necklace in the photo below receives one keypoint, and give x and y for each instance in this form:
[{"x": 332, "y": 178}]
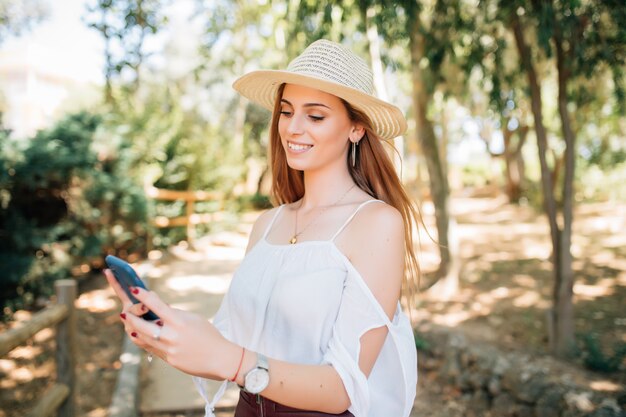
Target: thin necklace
[{"x": 294, "y": 239}]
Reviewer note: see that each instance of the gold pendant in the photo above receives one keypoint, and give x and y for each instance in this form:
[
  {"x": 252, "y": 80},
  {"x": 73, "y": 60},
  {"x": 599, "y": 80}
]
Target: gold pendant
[{"x": 293, "y": 240}]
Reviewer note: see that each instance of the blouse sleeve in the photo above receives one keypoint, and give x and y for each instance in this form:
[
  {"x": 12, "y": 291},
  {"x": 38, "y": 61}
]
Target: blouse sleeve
[
  {"x": 358, "y": 312},
  {"x": 203, "y": 385}
]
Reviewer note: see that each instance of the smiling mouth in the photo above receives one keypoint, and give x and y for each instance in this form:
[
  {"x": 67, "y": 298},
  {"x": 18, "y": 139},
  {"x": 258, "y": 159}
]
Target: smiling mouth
[{"x": 298, "y": 147}]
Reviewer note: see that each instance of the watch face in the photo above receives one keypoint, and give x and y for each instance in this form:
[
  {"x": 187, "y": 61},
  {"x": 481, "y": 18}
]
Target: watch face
[{"x": 257, "y": 380}]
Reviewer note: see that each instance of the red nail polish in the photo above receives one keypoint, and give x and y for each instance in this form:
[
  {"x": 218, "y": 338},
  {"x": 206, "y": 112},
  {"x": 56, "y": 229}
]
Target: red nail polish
[
  {"x": 159, "y": 322},
  {"x": 123, "y": 316},
  {"x": 133, "y": 334},
  {"x": 134, "y": 290},
  {"x": 144, "y": 308}
]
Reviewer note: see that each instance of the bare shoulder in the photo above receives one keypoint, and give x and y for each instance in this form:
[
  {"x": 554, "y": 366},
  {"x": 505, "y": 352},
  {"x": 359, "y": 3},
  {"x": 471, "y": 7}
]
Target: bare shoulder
[
  {"x": 377, "y": 223},
  {"x": 261, "y": 223},
  {"x": 383, "y": 216},
  {"x": 374, "y": 243}
]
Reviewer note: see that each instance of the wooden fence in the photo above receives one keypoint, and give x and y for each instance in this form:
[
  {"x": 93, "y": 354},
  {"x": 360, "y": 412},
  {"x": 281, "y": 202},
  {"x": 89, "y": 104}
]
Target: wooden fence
[
  {"x": 62, "y": 395},
  {"x": 191, "y": 218}
]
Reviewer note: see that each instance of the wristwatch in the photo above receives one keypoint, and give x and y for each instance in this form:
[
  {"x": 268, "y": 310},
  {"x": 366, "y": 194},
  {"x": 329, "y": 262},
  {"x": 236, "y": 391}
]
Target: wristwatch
[{"x": 258, "y": 378}]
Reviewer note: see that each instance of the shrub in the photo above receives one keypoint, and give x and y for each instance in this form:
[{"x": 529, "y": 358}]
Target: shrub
[
  {"x": 421, "y": 344},
  {"x": 596, "y": 359},
  {"x": 62, "y": 205}
]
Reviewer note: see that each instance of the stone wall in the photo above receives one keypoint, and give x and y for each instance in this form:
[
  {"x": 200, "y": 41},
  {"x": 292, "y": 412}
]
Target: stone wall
[{"x": 491, "y": 382}]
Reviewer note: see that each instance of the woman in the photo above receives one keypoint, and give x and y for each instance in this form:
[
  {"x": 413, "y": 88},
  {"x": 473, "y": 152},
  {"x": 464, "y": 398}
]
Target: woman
[{"x": 312, "y": 319}]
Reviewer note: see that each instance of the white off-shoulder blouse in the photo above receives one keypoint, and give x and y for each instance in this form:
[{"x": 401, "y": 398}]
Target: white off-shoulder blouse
[{"x": 306, "y": 303}]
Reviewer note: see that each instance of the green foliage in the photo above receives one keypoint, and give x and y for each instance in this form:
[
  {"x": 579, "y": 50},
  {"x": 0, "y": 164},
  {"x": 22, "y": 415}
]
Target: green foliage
[
  {"x": 603, "y": 154},
  {"x": 602, "y": 184},
  {"x": 596, "y": 359},
  {"x": 125, "y": 25},
  {"x": 62, "y": 205},
  {"x": 420, "y": 343},
  {"x": 476, "y": 175},
  {"x": 17, "y": 17},
  {"x": 254, "y": 202}
]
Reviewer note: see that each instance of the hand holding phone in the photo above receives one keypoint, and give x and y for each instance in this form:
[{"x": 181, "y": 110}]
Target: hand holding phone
[{"x": 127, "y": 277}]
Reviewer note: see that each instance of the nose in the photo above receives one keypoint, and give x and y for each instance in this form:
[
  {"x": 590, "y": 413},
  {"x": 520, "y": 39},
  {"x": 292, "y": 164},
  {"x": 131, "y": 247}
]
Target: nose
[{"x": 295, "y": 125}]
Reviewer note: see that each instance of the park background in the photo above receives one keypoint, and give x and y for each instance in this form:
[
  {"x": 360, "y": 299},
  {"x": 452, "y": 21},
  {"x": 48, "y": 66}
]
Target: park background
[{"x": 515, "y": 154}]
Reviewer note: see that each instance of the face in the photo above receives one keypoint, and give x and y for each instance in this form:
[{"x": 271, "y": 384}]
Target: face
[{"x": 315, "y": 129}]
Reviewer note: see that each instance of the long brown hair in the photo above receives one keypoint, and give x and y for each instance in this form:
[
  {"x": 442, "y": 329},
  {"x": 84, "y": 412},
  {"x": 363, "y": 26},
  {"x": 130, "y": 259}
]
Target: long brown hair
[{"x": 373, "y": 172}]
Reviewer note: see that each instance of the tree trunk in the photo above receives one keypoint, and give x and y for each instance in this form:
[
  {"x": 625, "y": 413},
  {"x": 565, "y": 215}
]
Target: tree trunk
[
  {"x": 507, "y": 137},
  {"x": 549, "y": 201},
  {"x": 443, "y": 143},
  {"x": 564, "y": 286},
  {"x": 108, "y": 65},
  {"x": 519, "y": 166},
  {"x": 240, "y": 125},
  {"x": 437, "y": 177},
  {"x": 373, "y": 40},
  {"x": 514, "y": 162}
]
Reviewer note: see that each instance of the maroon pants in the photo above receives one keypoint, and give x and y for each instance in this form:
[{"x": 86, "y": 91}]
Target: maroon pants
[{"x": 251, "y": 405}]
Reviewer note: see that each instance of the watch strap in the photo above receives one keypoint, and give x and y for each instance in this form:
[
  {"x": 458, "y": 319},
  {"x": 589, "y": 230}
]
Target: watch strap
[{"x": 262, "y": 362}]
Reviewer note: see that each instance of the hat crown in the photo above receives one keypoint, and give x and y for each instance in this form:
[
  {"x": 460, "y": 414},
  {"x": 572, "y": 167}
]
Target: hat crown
[{"x": 331, "y": 61}]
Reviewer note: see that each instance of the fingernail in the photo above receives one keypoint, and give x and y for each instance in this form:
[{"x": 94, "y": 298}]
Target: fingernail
[
  {"x": 123, "y": 316},
  {"x": 133, "y": 334},
  {"x": 134, "y": 290},
  {"x": 144, "y": 308},
  {"x": 159, "y": 322}
]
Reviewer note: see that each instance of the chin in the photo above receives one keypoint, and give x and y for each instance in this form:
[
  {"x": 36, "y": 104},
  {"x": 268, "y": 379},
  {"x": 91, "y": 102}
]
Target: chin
[{"x": 298, "y": 166}]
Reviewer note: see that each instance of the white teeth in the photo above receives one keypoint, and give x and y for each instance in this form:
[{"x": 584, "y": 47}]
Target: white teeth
[{"x": 296, "y": 147}]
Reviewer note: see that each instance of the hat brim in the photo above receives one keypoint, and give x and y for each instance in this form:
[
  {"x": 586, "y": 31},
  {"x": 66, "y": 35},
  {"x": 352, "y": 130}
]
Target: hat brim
[{"x": 261, "y": 87}]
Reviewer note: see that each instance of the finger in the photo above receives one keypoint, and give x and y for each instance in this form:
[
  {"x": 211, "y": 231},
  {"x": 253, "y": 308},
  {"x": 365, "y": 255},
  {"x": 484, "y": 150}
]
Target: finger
[
  {"x": 140, "y": 339},
  {"x": 153, "y": 302},
  {"x": 137, "y": 309},
  {"x": 117, "y": 288},
  {"x": 147, "y": 335}
]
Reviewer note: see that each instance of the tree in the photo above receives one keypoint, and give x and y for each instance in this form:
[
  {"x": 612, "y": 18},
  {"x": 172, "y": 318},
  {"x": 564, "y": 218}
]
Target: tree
[
  {"x": 18, "y": 17},
  {"x": 582, "y": 37},
  {"x": 124, "y": 25},
  {"x": 431, "y": 37},
  {"x": 496, "y": 96}
]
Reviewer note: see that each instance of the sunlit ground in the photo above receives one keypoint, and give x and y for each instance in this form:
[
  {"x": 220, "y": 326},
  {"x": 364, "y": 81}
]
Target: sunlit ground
[
  {"x": 506, "y": 280},
  {"x": 27, "y": 371}
]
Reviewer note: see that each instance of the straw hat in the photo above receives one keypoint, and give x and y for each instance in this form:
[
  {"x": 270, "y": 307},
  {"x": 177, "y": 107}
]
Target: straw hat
[{"x": 334, "y": 69}]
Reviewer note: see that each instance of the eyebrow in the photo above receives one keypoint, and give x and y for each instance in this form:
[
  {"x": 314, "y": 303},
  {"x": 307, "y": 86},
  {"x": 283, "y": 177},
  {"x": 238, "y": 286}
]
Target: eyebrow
[{"x": 307, "y": 104}]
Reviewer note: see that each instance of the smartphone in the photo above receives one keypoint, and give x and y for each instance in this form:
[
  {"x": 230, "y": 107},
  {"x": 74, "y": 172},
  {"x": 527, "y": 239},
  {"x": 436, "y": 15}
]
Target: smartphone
[{"x": 127, "y": 277}]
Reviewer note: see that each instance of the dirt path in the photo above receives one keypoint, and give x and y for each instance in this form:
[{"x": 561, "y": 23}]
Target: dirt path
[{"x": 194, "y": 281}]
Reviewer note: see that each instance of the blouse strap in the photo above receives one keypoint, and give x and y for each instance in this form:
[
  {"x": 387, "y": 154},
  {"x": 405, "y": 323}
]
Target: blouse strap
[
  {"x": 269, "y": 226},
  {"x": 363, "y": 204}
]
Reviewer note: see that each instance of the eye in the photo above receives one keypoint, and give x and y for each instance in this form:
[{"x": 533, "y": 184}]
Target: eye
[
  {"x": 316, "y": 118},
  {"x": 285, "y": 113}
]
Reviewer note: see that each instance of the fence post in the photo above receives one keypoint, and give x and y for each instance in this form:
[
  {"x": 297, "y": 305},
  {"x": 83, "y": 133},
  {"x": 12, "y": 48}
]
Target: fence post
[
  {"x": 66, "y": 291},
  {"x": 191, "y": 227}
]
